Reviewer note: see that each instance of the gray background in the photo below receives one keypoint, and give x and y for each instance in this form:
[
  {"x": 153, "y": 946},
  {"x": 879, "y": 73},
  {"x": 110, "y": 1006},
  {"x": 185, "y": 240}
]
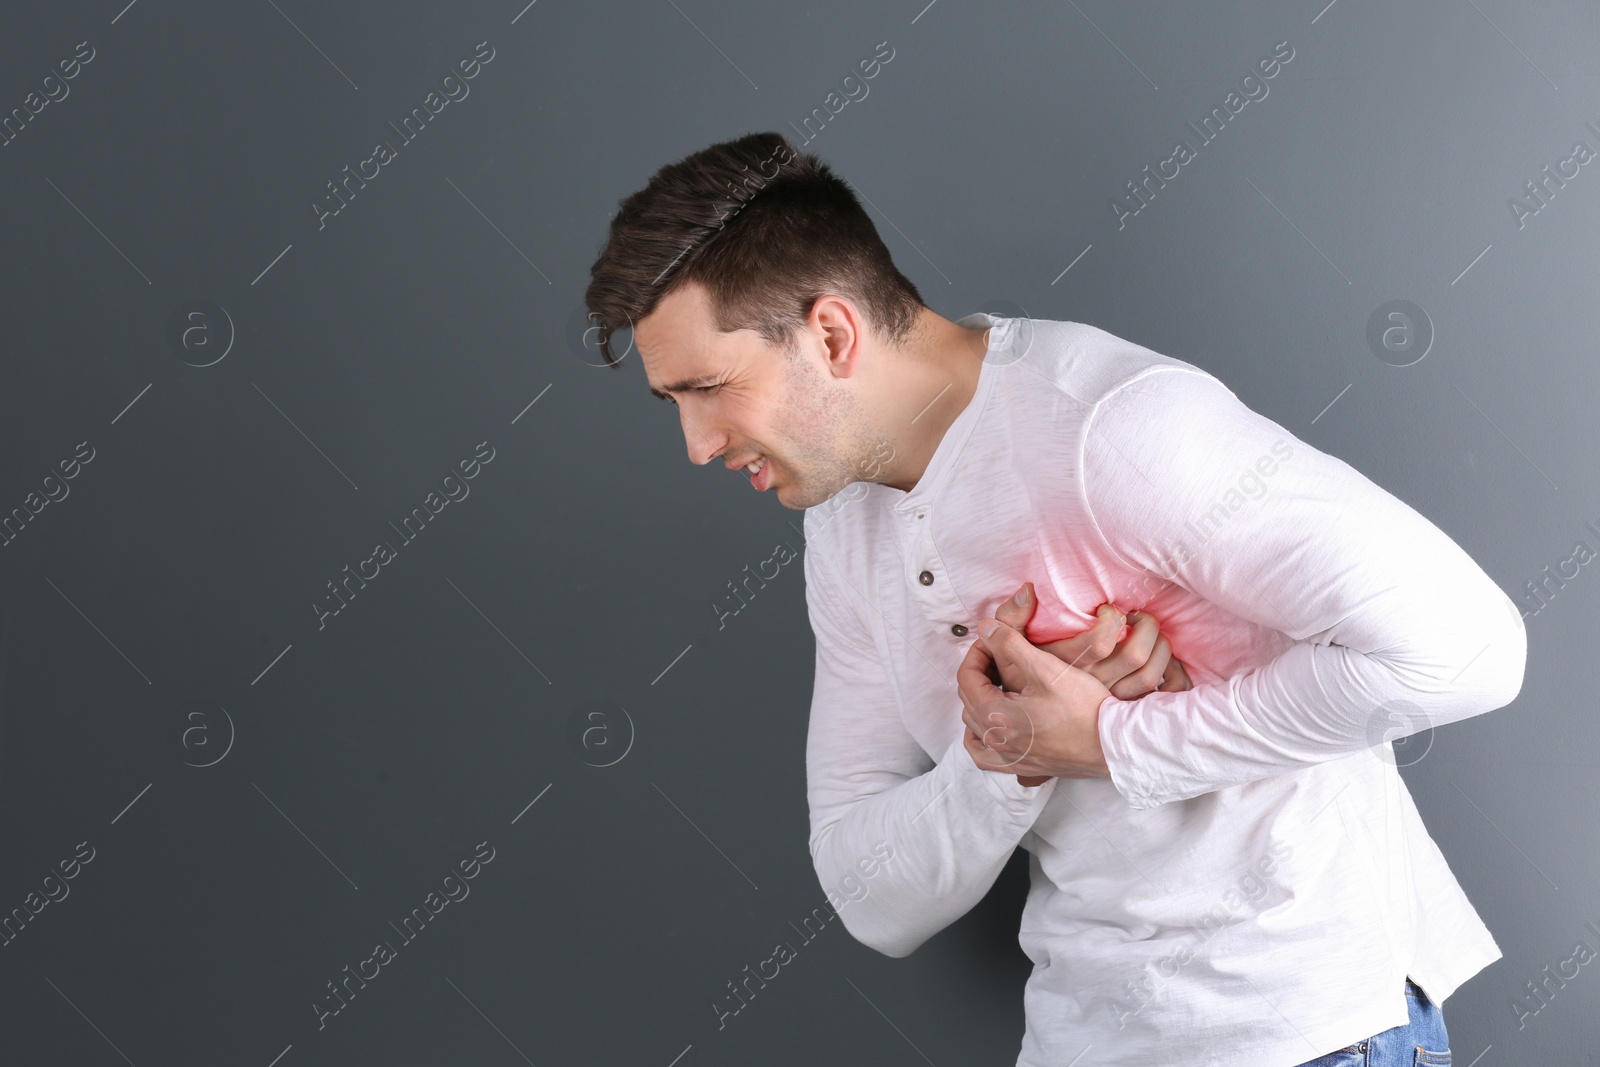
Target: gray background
[{"x": 160, "y": 617}]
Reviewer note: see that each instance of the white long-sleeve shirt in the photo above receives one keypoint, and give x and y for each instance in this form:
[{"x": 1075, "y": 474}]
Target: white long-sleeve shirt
[{"x": 1253, "y": 883}]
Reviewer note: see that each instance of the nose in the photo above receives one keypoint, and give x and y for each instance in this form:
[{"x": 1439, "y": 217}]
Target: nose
[{"x": 703, "y": 442}]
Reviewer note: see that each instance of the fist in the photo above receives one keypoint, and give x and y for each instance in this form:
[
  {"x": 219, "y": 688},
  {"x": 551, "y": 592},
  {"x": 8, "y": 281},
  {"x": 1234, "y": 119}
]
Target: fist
[{"x": 1128, "y": 666}]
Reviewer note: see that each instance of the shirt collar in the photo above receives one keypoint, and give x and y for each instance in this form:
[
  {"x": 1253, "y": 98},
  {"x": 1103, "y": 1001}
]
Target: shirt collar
[{"x": 950, "y": 445}]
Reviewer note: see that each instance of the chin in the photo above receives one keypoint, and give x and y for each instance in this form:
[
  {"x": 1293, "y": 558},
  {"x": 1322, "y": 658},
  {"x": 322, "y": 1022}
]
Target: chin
[{"x": 790, "y": 499}]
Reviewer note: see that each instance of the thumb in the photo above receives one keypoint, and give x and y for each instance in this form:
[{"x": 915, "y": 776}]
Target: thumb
[
  {"x": 1009, "y": 648},
  {"x": 1016, "y": 611}
]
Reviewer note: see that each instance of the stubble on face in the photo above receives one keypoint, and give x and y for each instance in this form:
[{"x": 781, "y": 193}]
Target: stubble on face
[{"x": 829, "y": 441}]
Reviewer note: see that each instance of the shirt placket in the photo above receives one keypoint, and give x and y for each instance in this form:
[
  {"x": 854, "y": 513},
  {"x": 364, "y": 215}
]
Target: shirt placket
[{"x": 932, "y": 590}]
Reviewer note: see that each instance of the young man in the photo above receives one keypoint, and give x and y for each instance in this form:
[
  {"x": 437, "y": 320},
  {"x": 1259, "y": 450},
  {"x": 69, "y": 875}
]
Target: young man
[{"x": 1229, "y": 873}]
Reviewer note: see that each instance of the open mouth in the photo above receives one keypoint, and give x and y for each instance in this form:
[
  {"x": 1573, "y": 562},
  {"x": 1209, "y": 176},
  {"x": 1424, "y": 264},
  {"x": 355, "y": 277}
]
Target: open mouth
[{"x": 760, "y": 472}]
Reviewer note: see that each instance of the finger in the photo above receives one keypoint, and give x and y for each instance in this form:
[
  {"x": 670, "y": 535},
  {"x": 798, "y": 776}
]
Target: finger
[
  {"x": 997, "y": 737},
  {"x": 977, "y": 721},
  {"x": 974, "y": 747},
  {"x": 1100, "y": 640},
  {"x": 1176, "y": 679},
  {"x": 989, "y": 724},
  {"x": 976, "y": 701},
  {"x": 981, "y": 756},
  {"x": 992, "y": 760},
  {"x": 1148, "y": 678},
  {"x": 972, "y": 677},
  {"x": 1013, "y": 655},
  {"x": 996, "y": 744},
  {"x": 1132, "y": 653},
  {"x": 1016, "y": 612},
  {"x": 1001, "y": 728},
  {"x": 1000, "y": 736},
  {"x": 1080, "y": 649},
  {"x": 1010, "y": 735}
]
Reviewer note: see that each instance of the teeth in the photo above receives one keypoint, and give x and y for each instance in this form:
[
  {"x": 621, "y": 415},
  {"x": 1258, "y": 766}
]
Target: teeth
[{"x": 755, "y": 465}]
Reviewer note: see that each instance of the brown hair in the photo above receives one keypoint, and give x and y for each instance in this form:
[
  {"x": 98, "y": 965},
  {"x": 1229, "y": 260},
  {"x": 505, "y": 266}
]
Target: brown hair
[{"x": 764, "y": 228}]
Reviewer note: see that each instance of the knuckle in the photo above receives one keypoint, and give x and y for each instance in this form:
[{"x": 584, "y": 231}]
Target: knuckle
[
  {"x": 1071, "y": 650},
  {"x": 1110, "y": 670}
]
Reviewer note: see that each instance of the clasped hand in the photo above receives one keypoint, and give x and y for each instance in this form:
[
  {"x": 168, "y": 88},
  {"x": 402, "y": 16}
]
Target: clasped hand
[{"x": 1044, "y": 722}]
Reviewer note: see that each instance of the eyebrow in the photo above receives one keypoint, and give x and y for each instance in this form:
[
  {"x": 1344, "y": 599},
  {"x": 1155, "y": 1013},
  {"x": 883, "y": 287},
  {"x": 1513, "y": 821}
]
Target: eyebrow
[{"x": 688, "y": 383}]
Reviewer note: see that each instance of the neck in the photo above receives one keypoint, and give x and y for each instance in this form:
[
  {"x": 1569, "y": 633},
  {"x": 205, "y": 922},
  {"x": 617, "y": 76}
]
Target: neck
[{"x": 936, "y": 379}]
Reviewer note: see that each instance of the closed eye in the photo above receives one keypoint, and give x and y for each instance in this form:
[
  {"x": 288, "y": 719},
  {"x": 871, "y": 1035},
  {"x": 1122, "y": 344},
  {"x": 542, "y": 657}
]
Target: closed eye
[{"x": 695, "y": 389}]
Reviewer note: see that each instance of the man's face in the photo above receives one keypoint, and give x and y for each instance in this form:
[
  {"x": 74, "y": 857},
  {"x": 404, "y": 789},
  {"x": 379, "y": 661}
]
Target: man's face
[{"x": 740, "y": 398}]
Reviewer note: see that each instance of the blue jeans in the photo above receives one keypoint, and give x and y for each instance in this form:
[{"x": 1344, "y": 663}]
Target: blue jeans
[{"x": 1421, "y": 1041}]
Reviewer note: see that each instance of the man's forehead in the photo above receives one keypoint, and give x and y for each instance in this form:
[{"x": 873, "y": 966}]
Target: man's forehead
[
  {"x": 678, "y": 315},
  {"x": 680, "y": 346},
  {"x": 679, "y": 360}
]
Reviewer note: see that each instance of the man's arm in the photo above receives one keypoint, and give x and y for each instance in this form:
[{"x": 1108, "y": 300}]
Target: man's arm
[
  {"x": 951, "y": 826},
  {"x": 1394, "y": 621}
]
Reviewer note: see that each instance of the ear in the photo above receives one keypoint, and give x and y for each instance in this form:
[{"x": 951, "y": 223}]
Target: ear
[{"x": 842, "y": 330}]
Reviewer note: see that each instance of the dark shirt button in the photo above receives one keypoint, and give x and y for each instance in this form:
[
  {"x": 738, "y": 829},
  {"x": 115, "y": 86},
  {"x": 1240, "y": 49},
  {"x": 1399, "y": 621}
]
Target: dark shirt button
[
  {"x": 959, "y": 630},
  {"x": 926, "y": 577}
]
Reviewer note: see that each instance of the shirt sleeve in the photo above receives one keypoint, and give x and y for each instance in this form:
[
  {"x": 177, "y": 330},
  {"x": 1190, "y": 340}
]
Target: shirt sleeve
[
  {"x": 946, "y": 828},
  {"x": 1396, "y": 629}
]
